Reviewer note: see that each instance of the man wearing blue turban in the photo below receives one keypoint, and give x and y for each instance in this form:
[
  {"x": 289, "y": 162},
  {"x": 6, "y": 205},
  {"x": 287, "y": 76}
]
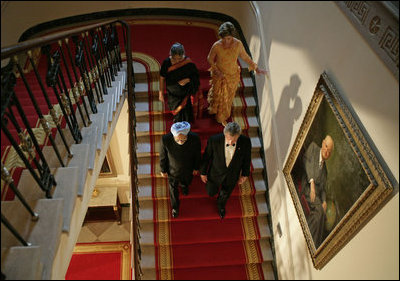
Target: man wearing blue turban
[{"x": 180, "y": 155}]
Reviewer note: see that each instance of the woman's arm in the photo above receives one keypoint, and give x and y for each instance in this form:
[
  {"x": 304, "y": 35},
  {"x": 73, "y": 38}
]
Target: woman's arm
[
  {"x": 161, "y": 91},
  {"x": 249, "y": 61}
]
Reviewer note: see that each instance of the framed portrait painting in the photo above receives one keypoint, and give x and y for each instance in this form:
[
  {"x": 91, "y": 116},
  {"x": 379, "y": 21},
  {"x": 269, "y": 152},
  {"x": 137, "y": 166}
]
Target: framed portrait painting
[
  {"x": 334, "y": 177},
  {"x": 107, "y": 169}
]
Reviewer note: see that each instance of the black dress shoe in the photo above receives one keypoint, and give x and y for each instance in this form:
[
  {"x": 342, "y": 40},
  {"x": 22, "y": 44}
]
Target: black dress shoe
[
  {"x": 222, "y": 213},
  {"x": 175, "y": 213},
  {"x": 185, "y": 191}
]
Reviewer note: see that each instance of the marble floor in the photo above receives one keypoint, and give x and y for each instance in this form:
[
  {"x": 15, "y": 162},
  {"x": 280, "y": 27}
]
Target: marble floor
[{"x": 107, "y": 231}]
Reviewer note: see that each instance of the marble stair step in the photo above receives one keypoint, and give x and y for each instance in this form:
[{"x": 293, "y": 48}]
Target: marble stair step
[
  {"x": 29, "y": 256},
  {"x": 66, "y": 189},
  {"x": 150, "y": 273},
  {"x": 147, "y": 230},
  {"x": 143, "y": 89},
  {"x": 80, "y": 159},
  {"x": 45, "y": 232},
  {"x": 249, "y": 124},
  {"x": 148, "y": 253},
  {"x": 146, "y": 213}
]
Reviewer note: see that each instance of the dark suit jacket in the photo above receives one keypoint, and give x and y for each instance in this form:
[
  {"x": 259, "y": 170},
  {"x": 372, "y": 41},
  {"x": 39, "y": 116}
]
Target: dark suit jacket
[
  {"x": 179, "y": 161},
  {"x": 213, "y": 162},
  {"x": 312, "y": 171}
]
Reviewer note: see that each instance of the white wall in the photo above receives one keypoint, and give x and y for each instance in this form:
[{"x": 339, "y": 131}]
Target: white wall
[
  {"x": 119, "y": 150},
  {"x": 302, "y": 39}
]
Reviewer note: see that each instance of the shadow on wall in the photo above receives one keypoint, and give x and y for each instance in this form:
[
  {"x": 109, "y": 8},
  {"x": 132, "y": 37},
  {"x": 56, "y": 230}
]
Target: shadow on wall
[{"x": 288, "y": 111}]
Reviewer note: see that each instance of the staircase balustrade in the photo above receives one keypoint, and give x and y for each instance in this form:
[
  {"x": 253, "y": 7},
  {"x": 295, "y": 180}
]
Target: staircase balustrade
[{"x": 90, "y": 57}]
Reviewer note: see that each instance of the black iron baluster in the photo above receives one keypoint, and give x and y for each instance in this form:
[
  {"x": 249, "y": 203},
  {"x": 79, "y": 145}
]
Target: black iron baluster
[
  {"x": 68, "y": 103},
  {"x": 71, "y": 83},
  {"x": 69, "y": 108},
  {"x": 51, "y": 80},
  {"x": 107, "y": 50},
  {"x": 6, "y": 177},
  {"x": 104, "y": 57},
  {"x": 51, "y": 108},
  {"x": 80, "y": 62},
  {"x": 116, "y": 46},
  {"x": 43, "y": 121},
  {"x": 14, "y": 231},
  {"x": 111, "y": 44},
  {"x": 26, "y": 142},
  {"x": 91, "y": 67},
  {"x": 99, "y": 68},
  {"x": 43, "y": 184},
  {"x": 101, "y": 57},
  {"x": 77, "y": 90}
]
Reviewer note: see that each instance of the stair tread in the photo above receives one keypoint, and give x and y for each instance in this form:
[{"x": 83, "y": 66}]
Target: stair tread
[
  {"x": 205, "y": 235},
  {"x": 207, "y": 206},
  {"x": 29, "y": 256},
  {"x": 190, "y": 255},
  {"x": 228, "y": 272},
  {"x": 45, "y": 232}
]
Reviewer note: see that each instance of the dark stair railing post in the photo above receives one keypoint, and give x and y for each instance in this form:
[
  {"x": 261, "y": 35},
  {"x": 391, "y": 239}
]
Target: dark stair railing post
[
  {"x": 78, "y": 88},
  {"x": 65, "y": 97},
  {"x": 14, "y": 231},
  {"x": 43, "y": 121},
  {"x": 80, "y": 62},
  {"x": 103, "y": 43},
  {"x": 71, "y": 91},
  {"x": 6, "y": 177},
  {"x": 108, "y": 48},
  {"x": 69, "y": 108},
  {"x": 51, "y": 81},
  {"x": 111, "y": 50},
  {"x": 91, "y": 78},
  {"x": 42, "y": 184},
  {"x": 96, "y": 54},
  {"x": 115, "y": 45},
  {"x": 52, "y": 111},
  {"x": 26, "y": 142}
]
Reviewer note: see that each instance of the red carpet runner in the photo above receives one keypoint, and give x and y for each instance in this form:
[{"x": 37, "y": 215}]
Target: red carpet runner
[
  {"x": 100, "y": 261},
  {"x": 197, "y": 244}
]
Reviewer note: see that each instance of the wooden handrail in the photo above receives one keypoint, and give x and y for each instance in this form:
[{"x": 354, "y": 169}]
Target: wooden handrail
[{"x": 48, "y": 39}]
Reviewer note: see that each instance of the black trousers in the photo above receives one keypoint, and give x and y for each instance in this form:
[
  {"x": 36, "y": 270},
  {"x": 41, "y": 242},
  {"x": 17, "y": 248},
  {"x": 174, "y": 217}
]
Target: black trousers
[
  {"x": 223, "y": 196},
  {"x": 224, "y": 192},
  {"x": 174, "y": 191}
]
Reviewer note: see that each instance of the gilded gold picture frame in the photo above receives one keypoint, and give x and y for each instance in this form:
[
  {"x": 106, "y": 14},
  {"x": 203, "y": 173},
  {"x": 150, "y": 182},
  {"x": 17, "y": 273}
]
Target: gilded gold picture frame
[
  {"x": 356, "y": 185},
  {"x": 107, "y": 170}
]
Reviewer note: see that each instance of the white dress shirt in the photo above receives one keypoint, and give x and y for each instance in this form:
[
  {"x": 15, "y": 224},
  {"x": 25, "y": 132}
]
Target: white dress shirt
[{"x": 229, "y": 151}]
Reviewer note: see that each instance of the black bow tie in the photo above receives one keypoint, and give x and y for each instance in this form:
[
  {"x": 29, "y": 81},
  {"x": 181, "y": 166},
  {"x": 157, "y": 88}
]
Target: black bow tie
[{"x": 231, "y": 144}]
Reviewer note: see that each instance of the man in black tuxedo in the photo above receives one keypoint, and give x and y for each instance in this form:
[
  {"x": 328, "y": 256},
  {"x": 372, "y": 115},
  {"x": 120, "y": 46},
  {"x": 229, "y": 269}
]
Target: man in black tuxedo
[
  {"x": 314, "y": 180},
  {"x": 226, "y": 162},
  {"x": 180, "y": 155}
]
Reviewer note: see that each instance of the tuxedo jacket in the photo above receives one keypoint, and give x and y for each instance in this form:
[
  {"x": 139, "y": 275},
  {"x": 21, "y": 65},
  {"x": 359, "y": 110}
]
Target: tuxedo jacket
[
  {"x": 214, "y": 166},
  {"x": 179, "y": 161},
  {"x": 313, "y": 171}
]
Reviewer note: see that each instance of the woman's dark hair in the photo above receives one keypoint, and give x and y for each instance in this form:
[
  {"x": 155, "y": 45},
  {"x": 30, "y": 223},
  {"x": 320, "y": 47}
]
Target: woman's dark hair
[
  {"x": 226, "y": 29},
  {"x": 177, "y": 49}
]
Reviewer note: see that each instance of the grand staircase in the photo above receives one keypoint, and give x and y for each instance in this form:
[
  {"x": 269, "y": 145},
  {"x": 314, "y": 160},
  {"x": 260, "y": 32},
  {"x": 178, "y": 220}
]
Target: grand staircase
[
  {"x": 39, "y": 245},
  {"x": 150, "y": 112},
  {"x": 50, "y": 238}
]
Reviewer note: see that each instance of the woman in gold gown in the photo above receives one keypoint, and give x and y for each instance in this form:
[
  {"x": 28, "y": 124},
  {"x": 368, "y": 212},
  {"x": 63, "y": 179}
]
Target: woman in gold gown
[{"x": 225, "y": 72}]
